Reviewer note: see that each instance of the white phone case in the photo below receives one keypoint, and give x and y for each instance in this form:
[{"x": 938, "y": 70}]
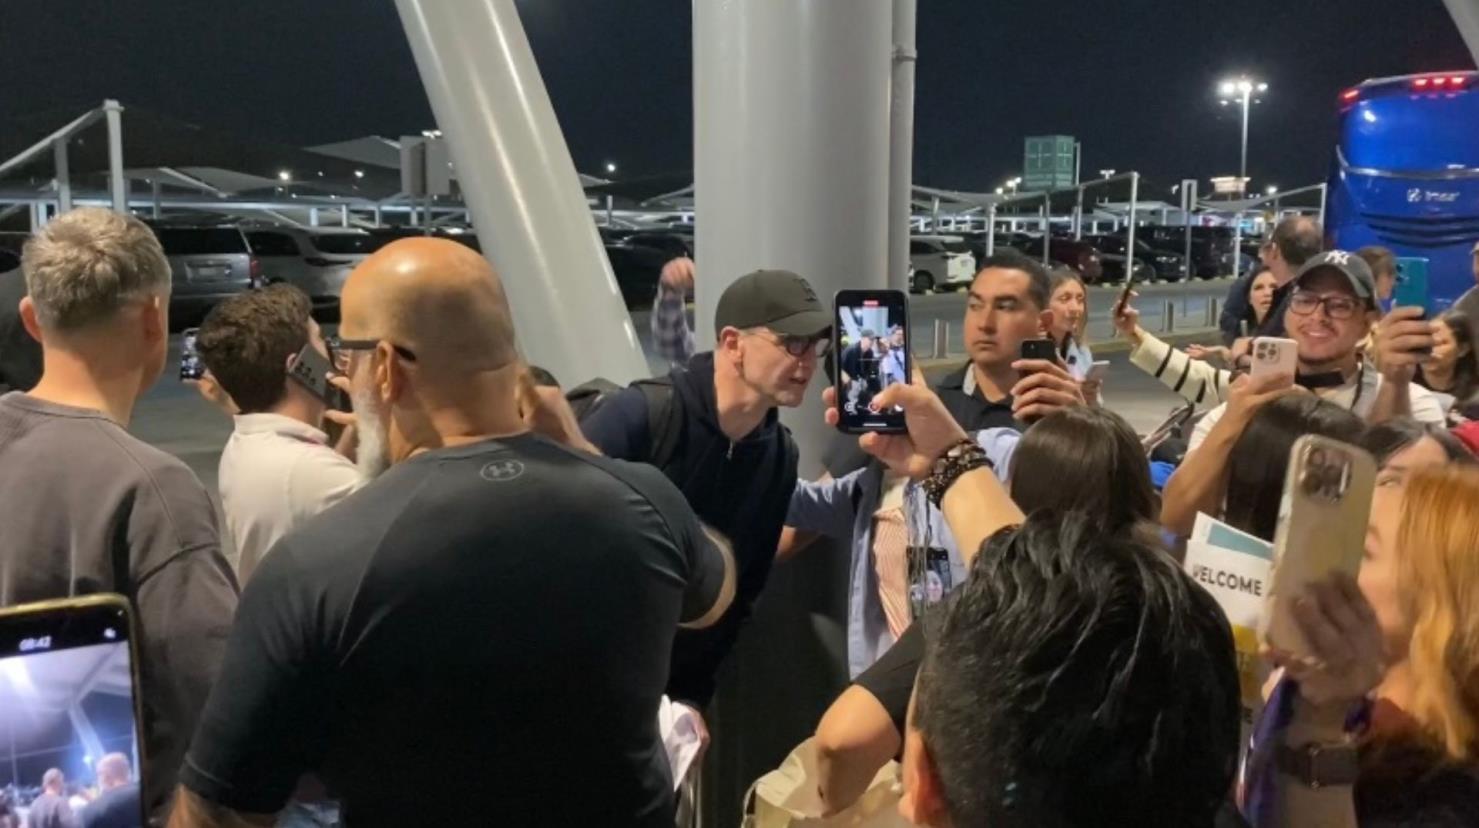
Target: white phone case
[{"x": 1273, "y": 355}]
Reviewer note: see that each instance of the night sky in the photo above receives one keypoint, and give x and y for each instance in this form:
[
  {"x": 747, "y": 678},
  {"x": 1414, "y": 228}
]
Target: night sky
[{"x": 1133, "y": 79}]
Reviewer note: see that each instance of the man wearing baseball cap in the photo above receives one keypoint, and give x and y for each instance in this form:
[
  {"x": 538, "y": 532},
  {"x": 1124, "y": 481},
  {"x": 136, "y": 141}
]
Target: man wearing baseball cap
[
  {"x": 712, "y": 427},
  {"x": 1330, "y": 310}
]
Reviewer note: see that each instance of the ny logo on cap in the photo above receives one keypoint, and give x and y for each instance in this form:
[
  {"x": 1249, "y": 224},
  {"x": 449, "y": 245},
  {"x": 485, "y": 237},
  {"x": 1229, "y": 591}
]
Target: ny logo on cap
[{"x": 1338, "y": 257}]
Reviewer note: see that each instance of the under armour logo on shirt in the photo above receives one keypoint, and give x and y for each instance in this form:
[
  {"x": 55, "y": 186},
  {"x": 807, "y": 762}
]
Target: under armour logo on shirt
[
  {"x": 1338, "y": 257},
  {"x": 502, "y": 471}
]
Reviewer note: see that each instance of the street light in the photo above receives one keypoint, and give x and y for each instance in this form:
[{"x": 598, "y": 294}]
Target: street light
[
  {"x": 999, "y": 190},
  {"x": 1241, "y": 90},
  {"x": 1108, "y": 173},
  {"x": 1271, "y": 189},
  {"x": 610, "y": 167},
  {"x": 284, "y": 175}
]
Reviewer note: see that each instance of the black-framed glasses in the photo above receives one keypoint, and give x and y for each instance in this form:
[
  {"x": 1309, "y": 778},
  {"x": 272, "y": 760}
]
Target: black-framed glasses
[
  {"x": 340, "y": 349},
  {"x": 799, "y": 346},
  {"x": 1337, "y": 306}
]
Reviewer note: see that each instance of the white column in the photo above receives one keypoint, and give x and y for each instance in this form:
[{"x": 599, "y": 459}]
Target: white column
[
  {"x": 63, "y": 177},
  {"x": 312, "y": 216},
  {"x": 343, "y": 215},
  {"x": 901, "y": 143},
  {"x": 791, "y": 155},
  {"x": 1130, "y": 231},
  {"x": 117, "y": 185},
  {"x": 154, "y": 196},
  {"x": 521, "y": 187}
]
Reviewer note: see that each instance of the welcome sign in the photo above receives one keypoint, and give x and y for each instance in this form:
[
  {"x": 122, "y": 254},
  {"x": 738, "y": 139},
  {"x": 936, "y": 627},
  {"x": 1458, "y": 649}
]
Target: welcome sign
[{"x": 1235, "y": 568}]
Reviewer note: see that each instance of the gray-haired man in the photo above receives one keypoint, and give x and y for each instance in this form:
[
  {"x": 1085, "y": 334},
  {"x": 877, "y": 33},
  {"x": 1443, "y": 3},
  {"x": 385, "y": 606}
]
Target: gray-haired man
[{"x": 84, "y": 506}]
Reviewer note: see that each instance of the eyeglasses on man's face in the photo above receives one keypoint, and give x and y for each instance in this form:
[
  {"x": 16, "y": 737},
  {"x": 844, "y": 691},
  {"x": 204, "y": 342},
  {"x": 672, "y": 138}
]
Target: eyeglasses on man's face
[
  {"x": 798, "y": 346},
  {"x": 340, "y": 350},
  {"x": 1337, "y": 306}
]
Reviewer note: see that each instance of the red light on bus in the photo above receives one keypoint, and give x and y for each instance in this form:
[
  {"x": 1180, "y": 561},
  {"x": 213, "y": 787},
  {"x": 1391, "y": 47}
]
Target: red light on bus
[
  {"x": 1457, "y": 80},
  {"x": 1350, "y": 94},
  {"x": 1421, "y": 83},
  {"x": 1440, "y": 82}
]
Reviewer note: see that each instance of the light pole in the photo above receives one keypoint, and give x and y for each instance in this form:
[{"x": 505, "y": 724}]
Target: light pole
[
  {"x": 610, "y": 167},
  {"x": 1241, "y": 90}
]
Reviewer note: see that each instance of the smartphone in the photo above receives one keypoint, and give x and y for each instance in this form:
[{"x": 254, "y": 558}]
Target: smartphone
[
  {"x": 1098, "y": 371},
  {"x": 1272, "y": 355},
  {"x": 191, "y": 368},
  {"x": 1321, "y": 529},
  {"x": 71, "y": 694},
  {"x": 1411, "y": 288},
  {"x": 311, "y": 370},
  {"x": 929, "y": 578},
  {"x": 874, "y": 355},
  {"x": 1043, "y": 349}
]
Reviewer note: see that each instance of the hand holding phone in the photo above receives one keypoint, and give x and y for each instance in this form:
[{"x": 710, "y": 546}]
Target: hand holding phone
[
  {"x": 1322, "y": 529},
  {"x": 191, "y": 368},
  {"x": 311, "y": 369},
  {"x": 874, "y": 355},
  {"x": 1038, "y": 349},
  {"x": 1274, "y": 355}
]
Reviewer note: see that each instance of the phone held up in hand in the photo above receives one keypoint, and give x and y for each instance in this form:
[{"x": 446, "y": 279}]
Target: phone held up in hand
[
  {"x": 1322, "y": 528},
  {"x": 311, "y": 370},
  {"x": 191, "y": 368},
  {"x": 870, "y": 346},
  {"x": 1273, "y": 355},
  {"x": 1042, "y": 349}
]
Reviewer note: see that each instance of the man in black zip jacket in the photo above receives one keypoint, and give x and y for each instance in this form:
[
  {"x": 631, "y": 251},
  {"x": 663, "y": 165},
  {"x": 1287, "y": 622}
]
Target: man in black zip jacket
[{"x": 712, "y": 427}]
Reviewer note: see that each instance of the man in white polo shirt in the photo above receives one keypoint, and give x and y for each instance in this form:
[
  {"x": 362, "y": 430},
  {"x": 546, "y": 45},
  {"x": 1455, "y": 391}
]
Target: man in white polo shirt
[{"x": 278, "y": 468}]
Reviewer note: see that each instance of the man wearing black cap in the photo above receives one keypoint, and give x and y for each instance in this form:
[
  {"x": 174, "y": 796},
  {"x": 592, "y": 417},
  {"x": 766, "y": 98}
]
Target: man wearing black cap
[
  {"x": 712, "y": 427},
  {"x": 1330, "y": 309}
]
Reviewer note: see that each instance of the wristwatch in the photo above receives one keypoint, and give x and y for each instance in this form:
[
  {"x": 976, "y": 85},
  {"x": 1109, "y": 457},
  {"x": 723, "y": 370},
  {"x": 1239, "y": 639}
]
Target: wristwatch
[
  {"x": 960, "y": 458},
  {"x": 1318, "y": 764}
]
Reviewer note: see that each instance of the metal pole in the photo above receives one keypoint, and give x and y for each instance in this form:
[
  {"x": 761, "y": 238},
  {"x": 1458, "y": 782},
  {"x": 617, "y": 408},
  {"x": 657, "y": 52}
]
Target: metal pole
[
  {"x": 63, "y": 177},
  {"x": 1189, "y": 193},
  {"x": 154, "y": 188},
  {"x": 759, "y": 69},
  {"x": 610, "y": 208},
  {"x": 377, "y": 215},
  {"x": 1130, "y": 232},
  {"x": 117, "y": 185},
  {"x": 990, "y": 231},
  {"x": 1323, "y": 193},
  {"x": 935, "y": 214},
  {"x": 343, "y": 215},
  {"x": 1047, "y": 237},
  {"x": 1078, "y": 213},
  {"x": 1243, "y": 158},
  {"x": 901, "y": 142},
  {"x": 518, "y": 181},
  {"x": 1078, "y": 164}
]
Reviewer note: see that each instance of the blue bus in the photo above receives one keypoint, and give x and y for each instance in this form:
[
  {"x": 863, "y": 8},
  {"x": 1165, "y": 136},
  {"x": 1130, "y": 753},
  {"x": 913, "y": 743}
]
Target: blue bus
[{"x": 1406, "y": 174}]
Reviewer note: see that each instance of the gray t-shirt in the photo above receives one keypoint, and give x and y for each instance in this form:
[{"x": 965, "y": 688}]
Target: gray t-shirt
[
  {"x": 85, "y": 507},
  {"x": 51, "y": 811}
]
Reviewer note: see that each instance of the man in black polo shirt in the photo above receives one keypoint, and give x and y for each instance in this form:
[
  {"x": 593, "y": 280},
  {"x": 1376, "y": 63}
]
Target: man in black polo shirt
[
  {"x": 492, "y": 616},
  {"x": 1008, "y": 304}
]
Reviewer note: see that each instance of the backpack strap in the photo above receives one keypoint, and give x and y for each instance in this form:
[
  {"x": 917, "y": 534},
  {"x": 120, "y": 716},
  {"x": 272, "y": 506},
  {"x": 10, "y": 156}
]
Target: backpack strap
[{"x": 664, "y": 420}]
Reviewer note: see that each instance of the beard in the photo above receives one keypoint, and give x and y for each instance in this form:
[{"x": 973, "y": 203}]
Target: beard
[{"x": 372, "y": 456}]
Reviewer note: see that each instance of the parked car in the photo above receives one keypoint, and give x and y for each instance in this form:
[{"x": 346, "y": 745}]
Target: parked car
[
  {"x": 1079, "y": 255},
  {"x": 316, "y": 260},
  {"x": 940, "y": 261},
  {"x": 673, "y": 244},
  {"x": 637, "y": 269},
  {"x": 207, "y": 265},
  {"x": 1157, "y": 263},
  {"x": 1211, "y": 247}
]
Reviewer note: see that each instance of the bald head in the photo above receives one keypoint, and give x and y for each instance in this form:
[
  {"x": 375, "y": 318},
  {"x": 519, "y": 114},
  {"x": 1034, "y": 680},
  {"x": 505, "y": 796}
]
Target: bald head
[
  {"x": 436, "y": 298},
  {"x": 114, "y": 770}
]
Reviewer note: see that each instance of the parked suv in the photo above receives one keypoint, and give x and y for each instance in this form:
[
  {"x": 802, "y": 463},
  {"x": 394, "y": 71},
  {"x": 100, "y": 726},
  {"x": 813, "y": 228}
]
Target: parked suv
[
  {"x": 1150, "y": 262},
  {"x": 940, "y": 261},
  {"x": 1079, "y": 255},
  {"x": 316, "y": 260},
  {"x": 207, "y": 265}
]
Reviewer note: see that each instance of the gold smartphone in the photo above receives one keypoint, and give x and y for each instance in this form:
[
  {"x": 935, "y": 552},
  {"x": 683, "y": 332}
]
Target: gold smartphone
[
  {"x": 69, "y": 702},
  {"x": 1321, "y": 528}
]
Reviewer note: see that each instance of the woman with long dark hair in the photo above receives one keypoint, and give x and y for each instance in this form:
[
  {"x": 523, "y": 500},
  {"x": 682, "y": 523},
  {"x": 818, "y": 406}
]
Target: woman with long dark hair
[{"x": 1454, "y": 367}]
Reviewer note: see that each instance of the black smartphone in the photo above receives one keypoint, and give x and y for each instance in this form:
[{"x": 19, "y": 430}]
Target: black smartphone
[
  {"x": 71, "y": 701},
  {"x": 870, "y": 347},
  {"x": 1043, "y": 349},
  {"x": 191, "y": 368},
  {"x": 311, "y": 370}
]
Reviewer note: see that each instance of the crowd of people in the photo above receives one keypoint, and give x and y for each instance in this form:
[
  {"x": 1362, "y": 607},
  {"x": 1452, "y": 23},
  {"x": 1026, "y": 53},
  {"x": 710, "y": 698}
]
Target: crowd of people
[{"x": 471, "y": 588}]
